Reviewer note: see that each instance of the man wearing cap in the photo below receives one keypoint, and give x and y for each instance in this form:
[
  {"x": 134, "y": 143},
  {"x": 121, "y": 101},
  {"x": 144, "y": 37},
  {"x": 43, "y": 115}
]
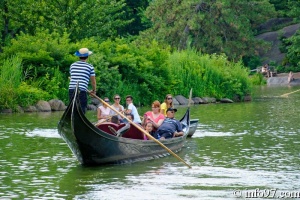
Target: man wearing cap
[
  {"x": 82, "y": 72},
  {"x": 170, "y": 126}
]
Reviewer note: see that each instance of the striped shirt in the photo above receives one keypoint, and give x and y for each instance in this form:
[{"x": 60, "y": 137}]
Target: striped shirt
[{"x": 81, "y": 72}]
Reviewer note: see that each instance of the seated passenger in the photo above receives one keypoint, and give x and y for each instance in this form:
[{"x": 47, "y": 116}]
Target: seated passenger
[
  {"x": 154, "y": 116},
  {"x": 170, "y": 127},
  {"x": 149, "y": 128},
  {"x": 132, "y": 109},
  {"x": 117, "y": 106},
  {"x": 128, "y": 116},
  {"x": 103, "y": 112},
  {"x": 115, "y": 119},
  {"x": 168, "y": 103}
]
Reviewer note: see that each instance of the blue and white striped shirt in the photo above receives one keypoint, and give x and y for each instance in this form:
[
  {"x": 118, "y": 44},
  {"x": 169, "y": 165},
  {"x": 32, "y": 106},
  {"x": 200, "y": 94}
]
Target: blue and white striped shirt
[{"x": 81, "y": 72}]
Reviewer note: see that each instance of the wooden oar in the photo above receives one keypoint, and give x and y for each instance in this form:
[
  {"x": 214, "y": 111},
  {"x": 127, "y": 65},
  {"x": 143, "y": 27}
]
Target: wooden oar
[
  {"x": 98, "y": 123},
  {"x": 141, "y": 129},
  {"x": 285, "y": 95},
  {"x": 190, "y": 97}
]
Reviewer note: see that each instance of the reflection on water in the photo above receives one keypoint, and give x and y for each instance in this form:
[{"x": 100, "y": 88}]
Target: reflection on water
[{"x": 241, "y": 146}]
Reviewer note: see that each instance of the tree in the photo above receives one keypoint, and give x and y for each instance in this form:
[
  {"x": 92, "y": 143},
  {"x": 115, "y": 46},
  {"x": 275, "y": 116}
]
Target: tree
[
  {"x": 134, "y": 11},
  {"x": 281, "y": 6},
  {"x": 294, "y": 7},
  {"x": 81, "y": 18},
  {"x": 293, "y": 51},
  {"x": 212, "y": 26}
]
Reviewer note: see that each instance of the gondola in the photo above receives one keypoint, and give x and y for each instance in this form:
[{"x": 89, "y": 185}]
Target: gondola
[
  {"x": 100, "y": 145},
  {"x": 193, "y": 127}
]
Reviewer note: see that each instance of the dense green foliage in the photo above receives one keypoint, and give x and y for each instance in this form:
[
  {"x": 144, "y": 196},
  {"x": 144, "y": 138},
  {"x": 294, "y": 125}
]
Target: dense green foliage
[
  {"x": 39, "y": 38},
  {"x": 290, "y": 46},
  {"x": 208, "y": 75},
  {"x": 140, "y": 66},
  {"x": 293, "y": 53},
  {"x": 81, "y": 18},
  {"x": 14, "y": 91},
  {"x": 209, "y": 26},
  {"x": 10, "y": 79}
]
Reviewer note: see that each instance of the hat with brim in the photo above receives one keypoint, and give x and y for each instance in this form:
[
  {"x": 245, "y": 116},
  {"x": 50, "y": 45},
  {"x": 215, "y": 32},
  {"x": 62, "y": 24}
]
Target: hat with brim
[
  {"x": 83, "y": 52},
  {"x": 172, "y": 109}
]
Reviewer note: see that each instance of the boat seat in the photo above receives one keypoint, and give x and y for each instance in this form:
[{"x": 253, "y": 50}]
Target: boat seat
[
  {"x": 110, "y": 128},
  {"x": 134, "y": 133}
]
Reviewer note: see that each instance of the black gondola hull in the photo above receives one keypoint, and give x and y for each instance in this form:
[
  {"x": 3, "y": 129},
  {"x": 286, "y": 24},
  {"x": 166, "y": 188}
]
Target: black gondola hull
[{"x": 92, "y": 146}]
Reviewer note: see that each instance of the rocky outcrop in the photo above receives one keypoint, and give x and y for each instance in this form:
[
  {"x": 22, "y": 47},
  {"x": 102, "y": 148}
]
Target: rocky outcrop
[
  {"x": 182, "y": 100},
  {"x": 284, "y": 79},
  {"x": 209, "y": 100},
  {"x": 57, "y": 105},
  {"x": 92, "y": 107},
  {"x": 175, "y": 102},
  {"x": 274, "y": 54},
  {"x": 95, "y": 101},
  {"x": 43, "y": 106},
  {"x": 30, "y": 109}
]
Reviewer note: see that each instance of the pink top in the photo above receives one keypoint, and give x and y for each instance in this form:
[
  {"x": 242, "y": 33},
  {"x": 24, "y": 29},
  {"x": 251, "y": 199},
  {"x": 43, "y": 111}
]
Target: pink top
[
  {"x": 104, "y": 111},
  {"x": 150, "y": 115}
]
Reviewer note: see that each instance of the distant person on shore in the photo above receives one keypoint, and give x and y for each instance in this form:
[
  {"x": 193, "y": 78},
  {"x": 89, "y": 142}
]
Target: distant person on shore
[
  {"x": 266, "y": 70},
  {"x": 82, "y": 72},
  {"x": 290, "y": 77}
]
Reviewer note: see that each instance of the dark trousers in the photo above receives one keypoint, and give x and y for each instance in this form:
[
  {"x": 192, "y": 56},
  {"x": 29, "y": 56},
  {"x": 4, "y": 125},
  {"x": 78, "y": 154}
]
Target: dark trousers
[{"x": 82, "y": 99}]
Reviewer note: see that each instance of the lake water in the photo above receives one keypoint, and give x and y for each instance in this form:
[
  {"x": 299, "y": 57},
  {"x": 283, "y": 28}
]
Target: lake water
[{"x": 240, "y": 150}]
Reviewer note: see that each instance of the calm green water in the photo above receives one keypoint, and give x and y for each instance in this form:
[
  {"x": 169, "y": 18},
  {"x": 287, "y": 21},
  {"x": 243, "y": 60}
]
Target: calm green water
[{"x": 239, "y": 149}]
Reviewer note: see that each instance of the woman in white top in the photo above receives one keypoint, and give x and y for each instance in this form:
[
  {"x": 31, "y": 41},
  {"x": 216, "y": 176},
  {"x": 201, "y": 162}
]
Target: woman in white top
[{"x": 103, "y": 112}]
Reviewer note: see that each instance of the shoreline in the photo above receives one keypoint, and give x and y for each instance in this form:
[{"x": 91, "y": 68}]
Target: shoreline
[{"x": 284, "y": 79}]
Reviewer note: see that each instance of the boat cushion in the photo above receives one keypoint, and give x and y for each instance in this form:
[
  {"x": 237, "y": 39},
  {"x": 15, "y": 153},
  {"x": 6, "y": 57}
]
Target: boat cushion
[{"x": 134, "y": 133}]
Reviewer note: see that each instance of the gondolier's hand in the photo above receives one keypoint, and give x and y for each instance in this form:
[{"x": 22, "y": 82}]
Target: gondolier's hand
[{"x": 92, "y": 92}]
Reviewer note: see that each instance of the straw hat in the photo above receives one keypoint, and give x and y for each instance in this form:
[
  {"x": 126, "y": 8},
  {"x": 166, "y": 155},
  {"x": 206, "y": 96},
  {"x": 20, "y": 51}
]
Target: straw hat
[{"x": 83, "y": 52}]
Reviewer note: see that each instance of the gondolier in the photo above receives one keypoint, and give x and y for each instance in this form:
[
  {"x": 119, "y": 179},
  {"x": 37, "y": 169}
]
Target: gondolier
[{"x": 81, "y": 72}]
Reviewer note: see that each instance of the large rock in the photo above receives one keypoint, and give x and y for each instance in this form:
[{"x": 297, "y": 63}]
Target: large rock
[
  {"x": 274, "y": 54},
  {"x": 198, "y": 100},
  {"x": 20, "y": 109},
  {"x": 175, "y": 102},
  {"x": 277, "y": 81},
  {"x": 95, "y": 101},
  {"x": 30, "y": 109},
  {"x": 8, "y": 110},
  {"x": 248, "y": 98},
  {"x": 182, "y": 100},
  {"x": 91, "y": 107},
  {"x": 43, "y": 106},
  {"x": 209, "y": 100},
  {"x": 57, "y": 105}
]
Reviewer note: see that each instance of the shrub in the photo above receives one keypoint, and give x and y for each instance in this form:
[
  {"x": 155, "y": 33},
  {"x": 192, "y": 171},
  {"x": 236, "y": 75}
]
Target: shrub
[
  {"x": 28, "y": 95},
  {"x": 208, "y": 75},
  {"x": 10, "y": 79}
]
